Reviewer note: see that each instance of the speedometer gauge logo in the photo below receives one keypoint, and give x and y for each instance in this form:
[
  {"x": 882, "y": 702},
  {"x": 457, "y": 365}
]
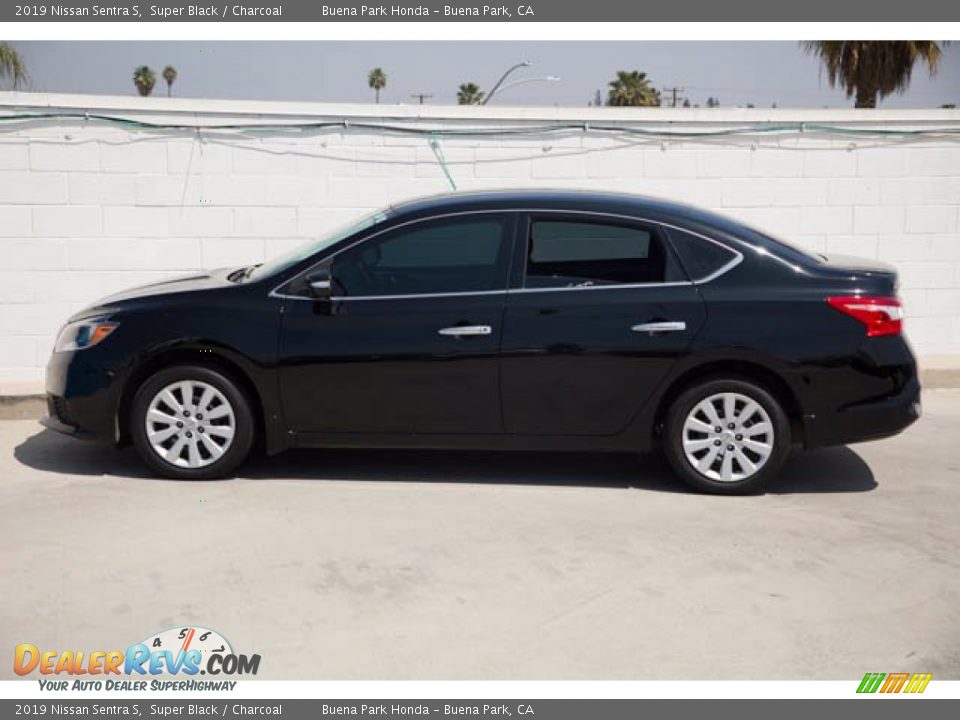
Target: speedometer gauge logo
[{"x": 184, "y": 639}]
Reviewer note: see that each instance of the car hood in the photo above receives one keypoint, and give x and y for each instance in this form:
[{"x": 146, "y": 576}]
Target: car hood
[{"x": 191, "y": 283}]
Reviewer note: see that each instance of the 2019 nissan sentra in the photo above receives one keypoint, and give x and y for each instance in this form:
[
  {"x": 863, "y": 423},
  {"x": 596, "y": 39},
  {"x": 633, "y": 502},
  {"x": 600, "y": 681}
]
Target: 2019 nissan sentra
[{"x": 502, "y": 320}]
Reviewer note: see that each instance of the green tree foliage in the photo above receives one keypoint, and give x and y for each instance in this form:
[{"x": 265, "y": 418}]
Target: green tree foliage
[{"x": 871, "y": 69}]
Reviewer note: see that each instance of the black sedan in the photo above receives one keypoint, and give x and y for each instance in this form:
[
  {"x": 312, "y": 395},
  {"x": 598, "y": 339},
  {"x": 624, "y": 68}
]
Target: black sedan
[{"x": 505, "y": 320}]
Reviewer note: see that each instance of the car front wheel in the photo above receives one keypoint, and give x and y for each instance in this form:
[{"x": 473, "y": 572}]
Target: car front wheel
[
  {"x": 726, "y": 436},
  {"x": 191, "y": 423}
]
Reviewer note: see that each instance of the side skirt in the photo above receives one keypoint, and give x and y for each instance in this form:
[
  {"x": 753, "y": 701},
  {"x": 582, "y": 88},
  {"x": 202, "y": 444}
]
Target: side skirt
[{"x": 552, "y": 443}]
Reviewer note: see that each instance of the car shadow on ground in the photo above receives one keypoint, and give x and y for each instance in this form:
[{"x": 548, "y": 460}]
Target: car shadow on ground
[{"x": 837, "y": 469}]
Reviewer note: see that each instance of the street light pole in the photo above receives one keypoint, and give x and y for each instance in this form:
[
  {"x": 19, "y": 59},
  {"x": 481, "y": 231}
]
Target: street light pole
[
  {"x": 523, "y": 81},
  {"x": 525, "y": 63}
]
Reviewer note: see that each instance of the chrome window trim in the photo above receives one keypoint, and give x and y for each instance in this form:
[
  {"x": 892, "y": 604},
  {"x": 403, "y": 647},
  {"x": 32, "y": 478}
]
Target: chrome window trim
[
  {"x": 413, "y": 296},
  {"x": 720, "y": 271},
  {"x": 509, "y": 291},
  {"x": 623, "y": 286}
]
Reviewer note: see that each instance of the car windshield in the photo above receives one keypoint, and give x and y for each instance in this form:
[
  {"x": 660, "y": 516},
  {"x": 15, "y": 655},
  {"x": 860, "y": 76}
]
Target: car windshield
[{"x": 302, "y": 252}]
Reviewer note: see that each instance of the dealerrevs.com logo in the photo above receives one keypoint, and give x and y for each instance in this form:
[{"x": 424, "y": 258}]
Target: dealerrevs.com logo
[{"x": 181, "y": 651}]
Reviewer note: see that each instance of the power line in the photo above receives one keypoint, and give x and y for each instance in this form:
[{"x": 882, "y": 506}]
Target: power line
[{"x": 652, "y": 129}]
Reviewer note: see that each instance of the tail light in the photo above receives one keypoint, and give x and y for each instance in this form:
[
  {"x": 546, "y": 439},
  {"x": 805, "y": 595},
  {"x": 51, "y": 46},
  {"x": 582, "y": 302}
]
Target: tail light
[{"x": 882, "y": 315}]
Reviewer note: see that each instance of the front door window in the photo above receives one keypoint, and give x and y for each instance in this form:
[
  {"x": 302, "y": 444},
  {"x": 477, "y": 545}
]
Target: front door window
[{"x": 444, "y": 256}]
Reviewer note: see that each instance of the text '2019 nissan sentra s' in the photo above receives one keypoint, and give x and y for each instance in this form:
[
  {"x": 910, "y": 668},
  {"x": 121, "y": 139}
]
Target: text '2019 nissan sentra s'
[{"x": 507, "y": 320}]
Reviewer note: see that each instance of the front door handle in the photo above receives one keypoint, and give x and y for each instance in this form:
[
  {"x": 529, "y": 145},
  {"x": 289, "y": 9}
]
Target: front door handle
[
  {"x": 659, "y": 327},
  {"x": 465, "y": 330}
]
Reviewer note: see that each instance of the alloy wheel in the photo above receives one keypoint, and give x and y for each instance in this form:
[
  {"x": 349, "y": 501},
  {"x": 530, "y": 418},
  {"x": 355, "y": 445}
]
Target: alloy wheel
[
  {"x": 727, "y": 437},
  {"x": 190, "y": 424}
]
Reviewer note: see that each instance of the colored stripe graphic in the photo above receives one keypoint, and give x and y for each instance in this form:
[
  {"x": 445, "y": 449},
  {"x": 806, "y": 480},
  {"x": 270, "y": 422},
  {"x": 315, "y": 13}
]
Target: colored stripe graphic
[
  {"x": 870, "y": 682},
  {"x": 918, "y": 682},
  {"x": 895, "y": 682}
]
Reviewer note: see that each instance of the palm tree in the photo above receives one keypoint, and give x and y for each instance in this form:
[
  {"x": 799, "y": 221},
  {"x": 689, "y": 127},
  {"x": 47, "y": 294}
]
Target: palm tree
[
  {"x": 871, "y": 69},
  {"x": 377, "y": 80},
  {"x": 632, "y": 89},
  {"x": 469, "y": 94},
  {"x": 144, "y": 78},
  {"x": 11, "y": 64},
  {"x": 170, "y": 75}
]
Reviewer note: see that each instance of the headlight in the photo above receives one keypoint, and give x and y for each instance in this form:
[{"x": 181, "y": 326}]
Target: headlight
[{"x": 83, "y": 334}]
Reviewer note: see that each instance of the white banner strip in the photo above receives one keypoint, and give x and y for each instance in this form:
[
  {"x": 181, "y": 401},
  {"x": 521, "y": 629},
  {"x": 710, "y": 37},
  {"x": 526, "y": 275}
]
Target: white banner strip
[
  {"x": 520, "y": 690},
  {"x": 476, "y": 31}
]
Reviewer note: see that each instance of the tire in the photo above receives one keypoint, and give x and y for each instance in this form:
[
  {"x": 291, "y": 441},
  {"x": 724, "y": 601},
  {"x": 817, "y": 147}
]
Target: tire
[
  {"x": 210, "y": 445},
  {"x": 724, "y": 459}
]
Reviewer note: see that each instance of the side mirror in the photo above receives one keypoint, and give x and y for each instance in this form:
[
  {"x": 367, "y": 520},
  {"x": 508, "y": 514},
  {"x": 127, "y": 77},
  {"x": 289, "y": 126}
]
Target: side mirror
[{"x": 319, "y": 284}]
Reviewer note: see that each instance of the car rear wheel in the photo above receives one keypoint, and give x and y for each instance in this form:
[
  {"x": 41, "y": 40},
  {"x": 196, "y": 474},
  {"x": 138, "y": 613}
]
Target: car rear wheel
[
  {"x": 726, "y": 436},
  {"x": 191, "y": 423}
]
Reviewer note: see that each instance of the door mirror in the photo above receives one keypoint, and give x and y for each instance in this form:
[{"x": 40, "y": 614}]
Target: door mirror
[{"x": 319, "y": 283}]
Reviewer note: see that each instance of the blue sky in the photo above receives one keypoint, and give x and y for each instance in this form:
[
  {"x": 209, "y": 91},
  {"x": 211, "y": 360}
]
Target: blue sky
[{"x": 736, "y": 72}]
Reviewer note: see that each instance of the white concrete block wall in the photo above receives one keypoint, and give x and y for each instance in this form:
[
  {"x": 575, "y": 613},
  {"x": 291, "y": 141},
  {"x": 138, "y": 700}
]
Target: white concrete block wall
[{"x": 88, "y": 208}]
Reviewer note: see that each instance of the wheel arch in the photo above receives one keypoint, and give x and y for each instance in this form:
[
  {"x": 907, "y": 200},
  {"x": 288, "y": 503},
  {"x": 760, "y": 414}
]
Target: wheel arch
[
  {"x": 189, "y": 355},
  {"x": 750, "y": 370}
]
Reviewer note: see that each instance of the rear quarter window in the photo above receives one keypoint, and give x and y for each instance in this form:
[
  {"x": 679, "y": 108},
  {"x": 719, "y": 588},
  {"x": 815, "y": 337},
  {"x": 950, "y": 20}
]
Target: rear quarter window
[{"x": 701, "y": 257}]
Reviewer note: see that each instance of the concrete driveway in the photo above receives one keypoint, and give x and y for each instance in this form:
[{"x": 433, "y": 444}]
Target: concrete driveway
[{"x": 395, "y": 565}]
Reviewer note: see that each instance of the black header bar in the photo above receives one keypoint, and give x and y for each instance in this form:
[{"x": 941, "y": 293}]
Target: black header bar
[{"x": 466, "y": 11}]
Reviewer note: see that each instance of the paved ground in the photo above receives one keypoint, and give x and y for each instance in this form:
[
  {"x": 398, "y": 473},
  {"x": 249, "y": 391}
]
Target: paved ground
[{"x": 383, "y": 565}]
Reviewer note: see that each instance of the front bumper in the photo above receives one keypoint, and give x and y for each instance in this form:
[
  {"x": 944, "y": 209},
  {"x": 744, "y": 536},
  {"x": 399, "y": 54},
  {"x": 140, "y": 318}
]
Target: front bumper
[{"x": 82, "y": 395}]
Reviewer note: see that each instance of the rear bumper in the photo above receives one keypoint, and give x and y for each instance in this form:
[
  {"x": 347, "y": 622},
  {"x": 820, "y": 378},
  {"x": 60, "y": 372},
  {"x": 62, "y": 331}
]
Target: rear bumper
[{"x": 868, "y": 420}]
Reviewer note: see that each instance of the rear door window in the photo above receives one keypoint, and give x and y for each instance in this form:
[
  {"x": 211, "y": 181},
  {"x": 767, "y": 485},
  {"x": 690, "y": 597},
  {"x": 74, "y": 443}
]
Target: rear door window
[{"x": 573, "y": 253}]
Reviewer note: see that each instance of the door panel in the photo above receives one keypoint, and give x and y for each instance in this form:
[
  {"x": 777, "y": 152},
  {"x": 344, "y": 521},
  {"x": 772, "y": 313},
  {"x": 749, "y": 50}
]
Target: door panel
[
  {"x": 602, "y": 314},
  {"x": 383, "y": 365},
  {"x": 409, "y": 343},
  {"x": 572, "y": 365}
]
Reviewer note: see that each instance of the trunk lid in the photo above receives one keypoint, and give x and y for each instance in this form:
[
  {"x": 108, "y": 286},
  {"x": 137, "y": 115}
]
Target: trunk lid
[
  {"x": 852, "y": 263},
  {"x": 873, "y": 276}
]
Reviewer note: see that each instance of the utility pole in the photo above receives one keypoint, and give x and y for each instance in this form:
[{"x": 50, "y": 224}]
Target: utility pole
[
  {"x": 673, "y": 91},
  {"x": 421, "y": 97}
]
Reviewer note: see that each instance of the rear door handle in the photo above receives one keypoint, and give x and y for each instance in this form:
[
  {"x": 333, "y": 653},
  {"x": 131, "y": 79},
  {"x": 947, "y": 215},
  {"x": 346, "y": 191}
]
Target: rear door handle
[
  {"x": 659, "y": 327},
  {"x": 465, "y": 330}
]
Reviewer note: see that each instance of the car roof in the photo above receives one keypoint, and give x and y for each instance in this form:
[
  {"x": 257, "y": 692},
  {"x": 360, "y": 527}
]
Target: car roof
[
  {"x": 640, "y": 206},
  {"x": 644, "y": 207}
]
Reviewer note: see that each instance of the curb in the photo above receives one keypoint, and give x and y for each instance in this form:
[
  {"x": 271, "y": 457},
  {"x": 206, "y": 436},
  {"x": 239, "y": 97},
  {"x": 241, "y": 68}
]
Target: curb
[
  {"x": 940, "y": 378},
  {"x": 22, "y": 407},
  {"x": 33, "y": 406}
]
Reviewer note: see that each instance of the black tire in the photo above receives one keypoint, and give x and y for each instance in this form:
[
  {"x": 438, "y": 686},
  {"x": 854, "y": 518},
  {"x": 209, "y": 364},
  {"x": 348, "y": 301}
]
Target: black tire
[
  {"x": 243, "y": 423},
  {"x": 674, "y": 427}
]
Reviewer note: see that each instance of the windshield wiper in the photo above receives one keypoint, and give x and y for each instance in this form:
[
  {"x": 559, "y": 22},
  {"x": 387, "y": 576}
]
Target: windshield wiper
[
  {"x": 237, "y": 274},
  {"x": 242, "y": 273}
]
